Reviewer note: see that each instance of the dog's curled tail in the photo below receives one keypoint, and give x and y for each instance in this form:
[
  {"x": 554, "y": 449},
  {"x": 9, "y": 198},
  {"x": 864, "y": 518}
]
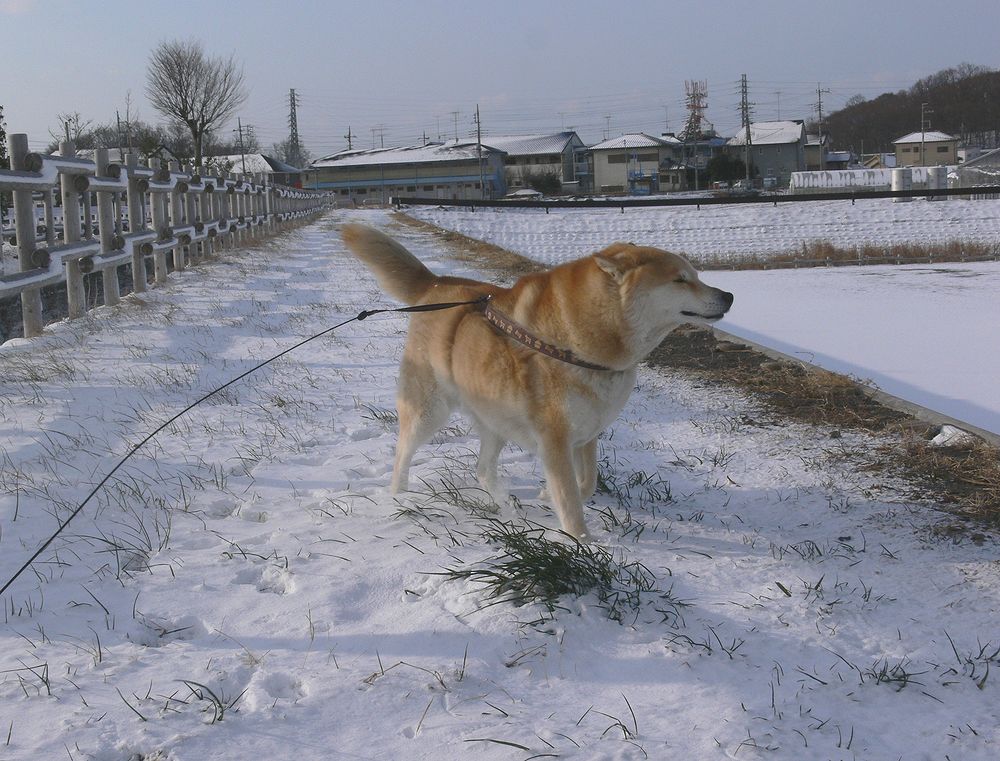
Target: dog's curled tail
[{"x": 399, "y": 273}]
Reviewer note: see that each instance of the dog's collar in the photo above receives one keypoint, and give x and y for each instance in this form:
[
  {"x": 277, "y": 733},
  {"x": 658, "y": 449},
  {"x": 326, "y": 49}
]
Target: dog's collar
[{"x": 522, "y": 335}]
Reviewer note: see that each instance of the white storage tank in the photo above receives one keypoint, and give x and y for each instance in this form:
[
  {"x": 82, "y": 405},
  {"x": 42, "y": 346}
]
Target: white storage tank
[
  {"x": 902, "y": 179},
  {"x": 937, "y": 179}
]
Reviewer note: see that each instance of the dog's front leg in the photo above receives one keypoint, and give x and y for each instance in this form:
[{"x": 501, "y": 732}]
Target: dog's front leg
[
  {"x": 586, "y": 468},
  {"x": 564, "y": 490}
]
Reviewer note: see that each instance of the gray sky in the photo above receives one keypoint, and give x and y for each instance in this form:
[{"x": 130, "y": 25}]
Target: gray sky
[{"x": 396, "y": 71}]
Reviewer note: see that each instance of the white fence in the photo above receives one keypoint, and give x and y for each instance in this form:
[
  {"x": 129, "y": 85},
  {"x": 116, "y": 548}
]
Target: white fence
[{"x": 155, "y": 213}]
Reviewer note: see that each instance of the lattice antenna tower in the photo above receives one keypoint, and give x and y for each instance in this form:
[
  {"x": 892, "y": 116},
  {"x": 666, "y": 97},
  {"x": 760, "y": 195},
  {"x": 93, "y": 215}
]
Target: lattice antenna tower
[
  {"x": 696, "y": 98},
  {"x": 746, "y": 116},
  {"x": 294, "y": 146}
]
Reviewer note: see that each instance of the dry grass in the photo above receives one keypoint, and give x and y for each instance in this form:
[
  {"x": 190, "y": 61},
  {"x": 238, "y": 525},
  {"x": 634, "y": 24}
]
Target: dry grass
[
  {"x": 825, "y": 254},
  {"x": 793, "y": 390},
  {"x": 963, "y": 481}
]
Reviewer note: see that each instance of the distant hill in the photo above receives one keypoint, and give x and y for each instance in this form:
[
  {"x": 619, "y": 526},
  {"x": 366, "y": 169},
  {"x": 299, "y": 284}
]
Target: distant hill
[{"x": 963, "y": 101}]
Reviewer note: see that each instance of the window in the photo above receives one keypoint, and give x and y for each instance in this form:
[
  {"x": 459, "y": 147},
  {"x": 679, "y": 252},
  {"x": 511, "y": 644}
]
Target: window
[
  {"x": 428, "y": 187},
  {"x": 616, "y": 158},
  {"x": 942, "y": 149}
]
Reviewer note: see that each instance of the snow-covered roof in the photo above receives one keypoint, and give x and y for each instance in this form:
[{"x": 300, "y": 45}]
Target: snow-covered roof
[
  {"x": 451, "y": 150},
  {"x": 634, "y": 140},
  {"x": 255, "y": 162},
  {"x": 770, "y": 133},
  {"x": 928, "y": 137},
  {"x": 531, "y": 145}
]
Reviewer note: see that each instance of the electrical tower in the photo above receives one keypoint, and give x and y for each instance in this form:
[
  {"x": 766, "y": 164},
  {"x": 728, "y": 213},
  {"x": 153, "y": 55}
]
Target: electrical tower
[
  {"x": 696, "y": 99},
  {"x": 294, "y": 155},
  {"x": 745, "y": 117}
]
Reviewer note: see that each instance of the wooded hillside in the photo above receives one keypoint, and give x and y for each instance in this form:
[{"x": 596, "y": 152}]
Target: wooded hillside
[{"x": 963, "y": 101}]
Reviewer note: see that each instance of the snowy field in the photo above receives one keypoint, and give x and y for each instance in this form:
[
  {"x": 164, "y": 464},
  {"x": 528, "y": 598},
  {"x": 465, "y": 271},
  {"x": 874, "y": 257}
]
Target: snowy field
[
  {"x": 246, "y": 587},
  {"x": 926, "y": 333}
]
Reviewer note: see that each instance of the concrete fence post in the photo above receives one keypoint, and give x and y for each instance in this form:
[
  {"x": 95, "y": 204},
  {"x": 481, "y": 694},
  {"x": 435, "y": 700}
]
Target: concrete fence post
[
  {"x": 207, "y": 214},
  {"x": 191, "y": 209},
  {"x": 158, "y": 214},
  {"x": 76, "y": 296},
  {"x": 176, "y": 209},
  {"x": 106, "y": 230},
  {"x": 136, "y": 222},
  {"x": 48, "y": 203},
  {"x": 24, "y": 229}
]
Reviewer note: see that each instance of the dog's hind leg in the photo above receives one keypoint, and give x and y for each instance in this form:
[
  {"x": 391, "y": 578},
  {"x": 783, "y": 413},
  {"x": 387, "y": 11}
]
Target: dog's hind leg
[
  {"x": 585, "y": 458},
  {"x": 422, "y": 413},
  {"x": 489, "y": 454}
]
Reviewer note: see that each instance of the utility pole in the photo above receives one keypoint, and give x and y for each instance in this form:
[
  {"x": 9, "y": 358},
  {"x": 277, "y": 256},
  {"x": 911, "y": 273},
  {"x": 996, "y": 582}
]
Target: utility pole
[
  {"x": 349, "y": 137},
  {"x": 479, "y": 153},
  {"x": 455, "y": 115},
  {"x": 243, "y": 153},
  {"x": 294, "y": 154},
  {"x": 819, "y": 107},
  {"x": 607, "y": 129},
  {"x": 121, "y": 148},
  {"x": 924, "y": 124},
  {"x": 745, "y": 106}
]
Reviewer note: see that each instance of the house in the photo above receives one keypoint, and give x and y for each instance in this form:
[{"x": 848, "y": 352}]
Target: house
[
  {"x": 879, "y": 161},
  {"x": 926, "y": 149},
  {"x": 455, "y": 169},
  {"x": 776, "y": 150},
  {"x": 534, "y": 156},
  {"x": 815, "y": 151},
  {"x": 279, "y": 172},
  {"x": 840, "y": 160},
  {"x": 632, "y": 163}
]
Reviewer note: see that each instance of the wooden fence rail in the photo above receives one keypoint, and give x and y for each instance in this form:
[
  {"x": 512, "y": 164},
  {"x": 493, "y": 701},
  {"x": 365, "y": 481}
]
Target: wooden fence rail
[{"x": 171, "y": 212}]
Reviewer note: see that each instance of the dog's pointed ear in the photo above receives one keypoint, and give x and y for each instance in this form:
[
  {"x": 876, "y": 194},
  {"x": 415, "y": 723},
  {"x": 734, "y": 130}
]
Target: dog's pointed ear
[{"x": 613, "y": 261}]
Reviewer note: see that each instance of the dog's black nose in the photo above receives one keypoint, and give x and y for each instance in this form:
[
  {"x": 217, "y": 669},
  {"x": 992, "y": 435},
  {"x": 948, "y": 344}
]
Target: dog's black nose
[{"x": 727, "y": 299}]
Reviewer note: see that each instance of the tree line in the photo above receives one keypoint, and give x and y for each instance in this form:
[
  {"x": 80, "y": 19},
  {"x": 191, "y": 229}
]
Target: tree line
[
  {"x": 963, "y": 101},
  {"x": 197, "y": 95}
]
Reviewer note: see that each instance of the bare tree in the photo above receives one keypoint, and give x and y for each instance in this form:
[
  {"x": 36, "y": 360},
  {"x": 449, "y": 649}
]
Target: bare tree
[{"x": 200, "y": 92}]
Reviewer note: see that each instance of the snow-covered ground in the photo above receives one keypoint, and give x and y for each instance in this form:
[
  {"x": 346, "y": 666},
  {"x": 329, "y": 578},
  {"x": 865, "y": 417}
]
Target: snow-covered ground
[
  {"x": 247, "y": 588},
  {"x": 724, "y": 231},
  {"x": 926, "y": 333}
]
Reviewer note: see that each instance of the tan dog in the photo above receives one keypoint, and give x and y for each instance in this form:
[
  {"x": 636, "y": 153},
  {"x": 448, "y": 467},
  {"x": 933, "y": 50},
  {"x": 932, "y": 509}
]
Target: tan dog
[{"x": 603, "y": 314}]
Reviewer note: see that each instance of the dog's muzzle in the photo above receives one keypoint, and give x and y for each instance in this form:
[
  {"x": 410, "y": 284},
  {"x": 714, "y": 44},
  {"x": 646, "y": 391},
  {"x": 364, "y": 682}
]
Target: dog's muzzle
[{"x": 724, "y": 300}]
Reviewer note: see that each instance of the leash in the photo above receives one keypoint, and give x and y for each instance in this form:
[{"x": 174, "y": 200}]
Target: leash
[{"x": 363, "y": 315}]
